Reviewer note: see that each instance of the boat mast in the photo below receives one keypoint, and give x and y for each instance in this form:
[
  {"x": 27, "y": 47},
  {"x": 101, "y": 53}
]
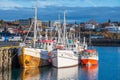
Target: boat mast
[
  {"x": 35, "y": 24},
  {"x": 59, "y": 27},
  {"x": 89, "y": 38},
  {"x": 79, "y": 34},
  {"x": 64, "y": 33}
]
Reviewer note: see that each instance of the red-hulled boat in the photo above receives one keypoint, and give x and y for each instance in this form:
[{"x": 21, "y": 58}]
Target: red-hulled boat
[{"x": 89, "y": 57}]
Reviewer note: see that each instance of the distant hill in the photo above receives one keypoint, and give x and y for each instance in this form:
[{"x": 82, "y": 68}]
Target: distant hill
[{"x": 80, "y": 14}]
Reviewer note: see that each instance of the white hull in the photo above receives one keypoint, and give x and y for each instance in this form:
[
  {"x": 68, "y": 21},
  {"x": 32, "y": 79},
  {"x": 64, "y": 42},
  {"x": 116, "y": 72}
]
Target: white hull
[{"x": 64, "y": 58}]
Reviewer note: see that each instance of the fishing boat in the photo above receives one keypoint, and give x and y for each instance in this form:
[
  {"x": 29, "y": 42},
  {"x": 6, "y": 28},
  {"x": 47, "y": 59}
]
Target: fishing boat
[
  {"x": 89, "y": 57},
  {"x": 63, "y": 56},
  {"x": 35, "y": 54}
]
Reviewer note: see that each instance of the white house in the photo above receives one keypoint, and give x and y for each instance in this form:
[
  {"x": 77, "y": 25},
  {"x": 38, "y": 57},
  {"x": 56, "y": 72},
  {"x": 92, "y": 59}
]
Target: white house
[
  {"x": 114, "y": 29},
  {"x": 89, "y": 26}
]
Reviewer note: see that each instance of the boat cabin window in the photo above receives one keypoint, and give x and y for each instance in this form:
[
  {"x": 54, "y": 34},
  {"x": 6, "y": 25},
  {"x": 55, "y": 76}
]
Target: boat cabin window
[
  {"x": 40, "y": 45},
  {"x": 59, "y": 43},
  {"x": 89, "y": 53},
  {"x": 74, "y": 45},
  {"x": 55, "y": 49}
]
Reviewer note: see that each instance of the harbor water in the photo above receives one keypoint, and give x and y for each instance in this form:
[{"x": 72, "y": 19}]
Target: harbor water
[{"x": 107, "y": 69}]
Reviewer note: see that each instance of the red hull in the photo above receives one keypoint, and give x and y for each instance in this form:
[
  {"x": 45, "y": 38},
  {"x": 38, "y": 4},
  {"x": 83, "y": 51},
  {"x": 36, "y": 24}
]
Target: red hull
[{"x": 89, "y": 61}]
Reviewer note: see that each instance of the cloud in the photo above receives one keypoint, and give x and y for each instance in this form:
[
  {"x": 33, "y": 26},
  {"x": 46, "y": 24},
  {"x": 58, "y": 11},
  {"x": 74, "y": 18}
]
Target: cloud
[
  {"x": 12, "y": 4},
  {"x": 8, "y": 4},
  {"x": 79, "y": 3}
]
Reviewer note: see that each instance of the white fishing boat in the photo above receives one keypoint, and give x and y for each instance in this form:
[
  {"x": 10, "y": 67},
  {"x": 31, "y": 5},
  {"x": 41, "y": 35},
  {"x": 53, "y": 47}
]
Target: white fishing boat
[
  {"x": 64, "y": 56},
  {"x": 34, "y": 54}
]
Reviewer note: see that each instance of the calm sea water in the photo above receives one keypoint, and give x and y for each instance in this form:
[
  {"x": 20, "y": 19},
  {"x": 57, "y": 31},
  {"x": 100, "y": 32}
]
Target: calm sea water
[{"x": 108, "y": 69}]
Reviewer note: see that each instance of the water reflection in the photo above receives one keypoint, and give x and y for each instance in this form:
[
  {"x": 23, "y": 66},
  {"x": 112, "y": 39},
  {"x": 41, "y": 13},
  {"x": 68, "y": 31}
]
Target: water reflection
[
  {"x": 65, "y": 73},
  {"x": 109, "y": 68},
  {"x": 47, "y": 73},
  {"x": 88, "y": 72},
  {"x": 5, "y": 75},
  {"x": 51, "y": 73},
  {"x": 35, "y": 74},
  {"x": 30, "y": 74}
]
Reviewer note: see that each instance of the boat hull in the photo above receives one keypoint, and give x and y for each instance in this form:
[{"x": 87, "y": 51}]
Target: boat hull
[
  {"x": 89, "y": 61},
  {"x": 89, "y": 57},
  {"x": 64, "y": 58},
  {"x": 30, "y": 58}
]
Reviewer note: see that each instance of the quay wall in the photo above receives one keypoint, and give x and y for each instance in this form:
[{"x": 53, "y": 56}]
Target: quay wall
[
  {"x": 8, "y": 61},
  {"x": 105, "y": 42},
  {"x": 8, "y": 58}
]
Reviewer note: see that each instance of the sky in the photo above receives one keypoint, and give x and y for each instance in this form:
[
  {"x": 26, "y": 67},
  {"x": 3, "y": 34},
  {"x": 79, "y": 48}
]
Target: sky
[
  {"x": 79, "y": 10},
  {"x": 12, "y": 4}
]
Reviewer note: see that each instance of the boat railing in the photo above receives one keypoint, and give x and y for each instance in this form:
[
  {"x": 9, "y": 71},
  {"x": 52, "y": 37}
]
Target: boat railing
[{"x": 88, "y": 54}]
